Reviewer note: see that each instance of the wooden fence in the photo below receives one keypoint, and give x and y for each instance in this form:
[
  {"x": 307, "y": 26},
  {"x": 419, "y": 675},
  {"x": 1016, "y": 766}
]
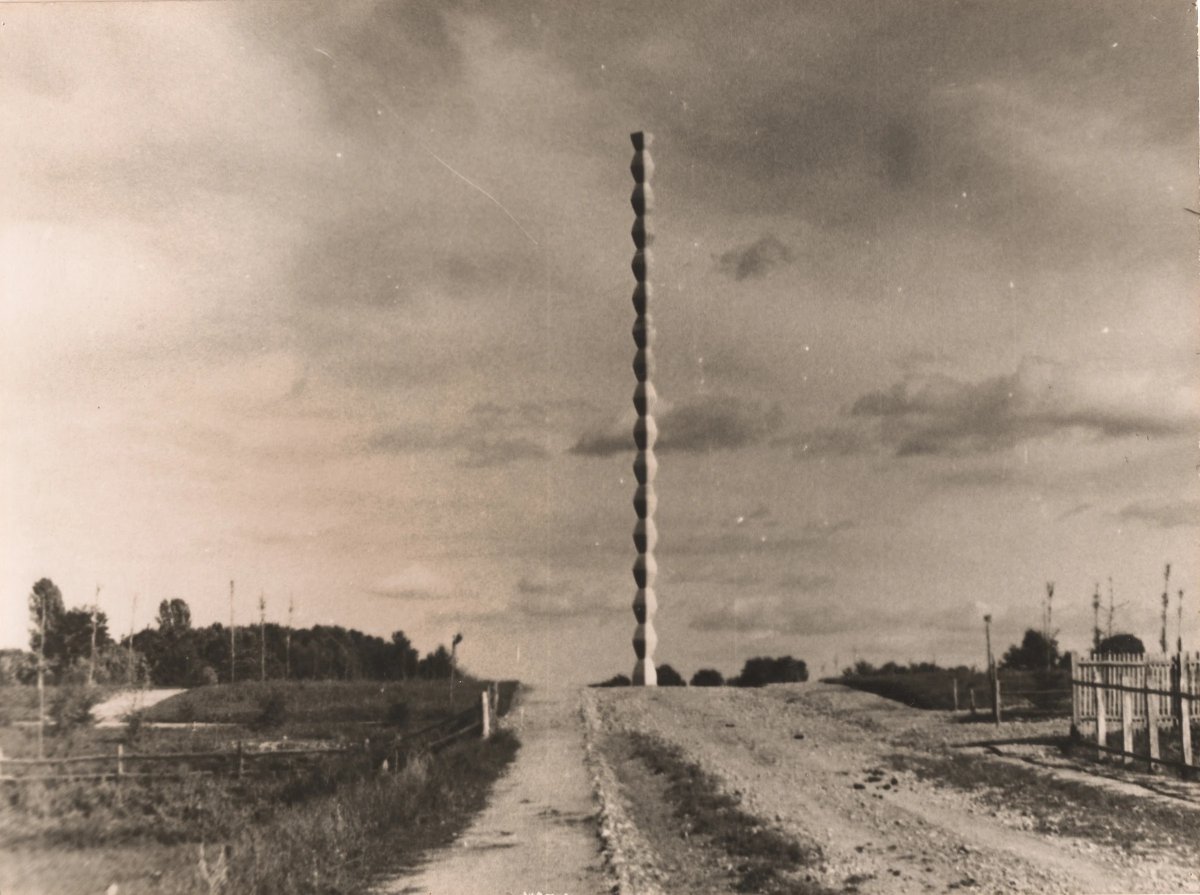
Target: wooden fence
[
  {"x": 1136, "y": 694},
  {"x": 240, "y": 760}
]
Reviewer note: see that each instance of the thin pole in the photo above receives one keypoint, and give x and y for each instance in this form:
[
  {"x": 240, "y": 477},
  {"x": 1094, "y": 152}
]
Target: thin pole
[
  {"x": 262, "y": 636},
  {"x": 232, "y": 637},
  {"x": 1166, "y": 598},
  {"x": 287, "y": 644},
  {"x": 1179, "y": 627},
  {"x": 132, "y": 618},
  {"x": 1096, "y": 619},
  {"x": 92, "y": 662},
  {"x": 41, "y": 677},
  {"x": 1049, "y": 619},
  {"x": 645, "y": 431}
]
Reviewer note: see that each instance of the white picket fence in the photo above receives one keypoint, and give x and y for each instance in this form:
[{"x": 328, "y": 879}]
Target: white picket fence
[{"x": 1137, "y": 692}]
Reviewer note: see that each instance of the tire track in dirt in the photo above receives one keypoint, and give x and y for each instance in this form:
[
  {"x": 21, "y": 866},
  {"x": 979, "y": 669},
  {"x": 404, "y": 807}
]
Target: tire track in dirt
[{"x": 815, "y": 761}]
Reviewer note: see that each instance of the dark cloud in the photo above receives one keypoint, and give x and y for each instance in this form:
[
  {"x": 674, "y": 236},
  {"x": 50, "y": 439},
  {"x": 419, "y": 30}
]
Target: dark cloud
[
  {"x": 755, "y": 259},
  {"x": 940, "y": 415},
  {"x": 1163, "y": 514},
  {"x": 713, "y": 423}
]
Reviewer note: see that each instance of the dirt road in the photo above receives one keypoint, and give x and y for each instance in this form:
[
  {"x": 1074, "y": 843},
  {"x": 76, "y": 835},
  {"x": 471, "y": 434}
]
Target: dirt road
[
  {"x": 538, "y": 833},
  {"x": 895, "y": 800}
]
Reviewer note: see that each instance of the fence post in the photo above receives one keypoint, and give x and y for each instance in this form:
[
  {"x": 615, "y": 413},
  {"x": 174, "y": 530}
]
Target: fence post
[
  {"x": 1151, "y": 720},
  {"x": 120, "y": 761},
  {"x": 1101, "y": 713},
  {"x": 996, "y": 696},
  {"x": 487, "y": 720},
  {"x": 1185, "y": 723},
  {"x": 954, "y": 681},
  {"x": 1074, "y": 700},
  {"x": 241, "y": 760},
  {"x": 1126, "y": 718}
]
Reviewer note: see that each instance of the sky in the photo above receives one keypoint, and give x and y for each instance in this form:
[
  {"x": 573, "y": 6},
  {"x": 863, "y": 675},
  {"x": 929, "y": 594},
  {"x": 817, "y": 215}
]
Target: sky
[{"x": 333, "y": 300}]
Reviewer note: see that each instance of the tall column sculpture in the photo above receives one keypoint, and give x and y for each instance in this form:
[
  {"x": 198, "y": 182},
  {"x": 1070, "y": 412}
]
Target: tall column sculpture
[{"x": 645, "y": 432}]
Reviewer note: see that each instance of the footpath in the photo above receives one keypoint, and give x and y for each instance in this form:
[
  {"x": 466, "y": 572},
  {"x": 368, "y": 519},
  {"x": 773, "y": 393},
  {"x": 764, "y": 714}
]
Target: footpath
[{"x": 538, "y": 833}]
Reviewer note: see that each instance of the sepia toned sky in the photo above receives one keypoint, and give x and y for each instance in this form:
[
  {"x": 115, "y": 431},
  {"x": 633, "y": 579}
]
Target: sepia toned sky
[{"x": 333, "y": 300}]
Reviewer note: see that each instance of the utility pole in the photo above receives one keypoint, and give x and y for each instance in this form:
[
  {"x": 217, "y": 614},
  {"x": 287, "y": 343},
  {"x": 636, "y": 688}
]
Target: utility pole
[
  {"x": 41, "y": 676},
  {"x": 1179, "y": 628},
  {"x": 987, "y": 633},
  {"x": 232, "y": 638},
  {"x": 131, "y": 671},
  {"x": 262, "y": 635},
  {"x": 92, "y": 663},
  {"x": 1096, "y": 619},
  {"x": 1049, "y": 621},
  {"x": 454, "y": 664},
  {"x": 1166, "y": 598},
  {"x": 287, "y": 644}
]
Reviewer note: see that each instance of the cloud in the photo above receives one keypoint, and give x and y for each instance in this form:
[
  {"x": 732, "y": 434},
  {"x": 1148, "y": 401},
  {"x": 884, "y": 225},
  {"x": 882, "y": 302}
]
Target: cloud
[
  {"x": 827, "y": 441},
  {"x": 488, "y": 435},
  {"x": 775, "y": 614},
  {"x": 416, "y": 581},
  {"x": 1163, "y": 514},
  {"x": 940, "y": 415},
  {"x": 713, "y": 423},
  {"x": 755, "y": 259},
  {"x": 814, "y": 537}
]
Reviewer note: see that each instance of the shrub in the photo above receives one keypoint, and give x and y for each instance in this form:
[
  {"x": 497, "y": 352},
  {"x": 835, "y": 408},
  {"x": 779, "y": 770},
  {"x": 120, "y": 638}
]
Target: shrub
[
  {"x": 669, "y": 677},
  {"x": 72, "y": 707},
  {"x": 272, "y": 709},
  {"x": 617, "y": 680},
  {"x": 760, "y": 671},
  {"x": 708, "y": 677},
  {"x": 398, "y": 714}
]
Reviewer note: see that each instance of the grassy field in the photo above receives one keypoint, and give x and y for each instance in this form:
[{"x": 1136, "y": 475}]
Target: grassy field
[
  {"x": 318, "y": 824},
  {"x": 1022, "y": 693},
  {"x": 19, "y": 702}
]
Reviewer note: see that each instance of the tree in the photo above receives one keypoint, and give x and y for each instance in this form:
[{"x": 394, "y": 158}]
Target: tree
[
  {"x": 174, "y": 617},
  {"x": 761, "y": 670},
  {"x": 1035, "y": 652},
  {"x": 617, "y": 680},
  {"x": 404, "y": 656},
  {"x": 708, "y": 677},
  {"x": 436, "y": 665},
  {"x": 74, "y": 637},
  {"x": 45, "y": 615},
  {"x": 669, "y": 677},
  {"x": 1122, "y": 643}
]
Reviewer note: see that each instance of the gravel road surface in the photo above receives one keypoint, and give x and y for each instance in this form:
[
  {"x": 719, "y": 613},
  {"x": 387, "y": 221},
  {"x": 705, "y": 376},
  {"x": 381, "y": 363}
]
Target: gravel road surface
[{"x": 862, "y": 778}]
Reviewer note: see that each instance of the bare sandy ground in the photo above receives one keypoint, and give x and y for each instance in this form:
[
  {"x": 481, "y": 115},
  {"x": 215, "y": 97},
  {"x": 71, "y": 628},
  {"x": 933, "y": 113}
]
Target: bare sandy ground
[
  {"x": 538, "y": 833},
  {"x": 819, "y": 762},
  {"x": 113, "y": 711}
]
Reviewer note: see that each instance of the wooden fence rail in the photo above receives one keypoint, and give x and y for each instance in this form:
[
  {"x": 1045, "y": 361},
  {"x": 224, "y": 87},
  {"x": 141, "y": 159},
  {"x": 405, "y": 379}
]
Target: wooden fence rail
[
  {"x": 432, "y": 738},
  {"x": 1150, "y": 693}
]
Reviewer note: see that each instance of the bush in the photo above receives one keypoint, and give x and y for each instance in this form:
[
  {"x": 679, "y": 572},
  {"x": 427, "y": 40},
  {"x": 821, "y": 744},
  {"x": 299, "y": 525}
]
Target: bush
[
  {"x": 617, "y": 680},
  {"x": 272, "y": 709},
  {"x": 708, "y": 677},
  {"x": 760, "y": 671},
  {"x": 398, "y": 714},
  {"x": 72, "y": 707},
  {"x": 669, "y": 677}
]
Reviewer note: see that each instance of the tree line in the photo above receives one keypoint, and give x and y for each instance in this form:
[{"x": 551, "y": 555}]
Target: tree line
[
  {"x": 756, "y": 672},
  {"x": 76, "y": 646}
]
